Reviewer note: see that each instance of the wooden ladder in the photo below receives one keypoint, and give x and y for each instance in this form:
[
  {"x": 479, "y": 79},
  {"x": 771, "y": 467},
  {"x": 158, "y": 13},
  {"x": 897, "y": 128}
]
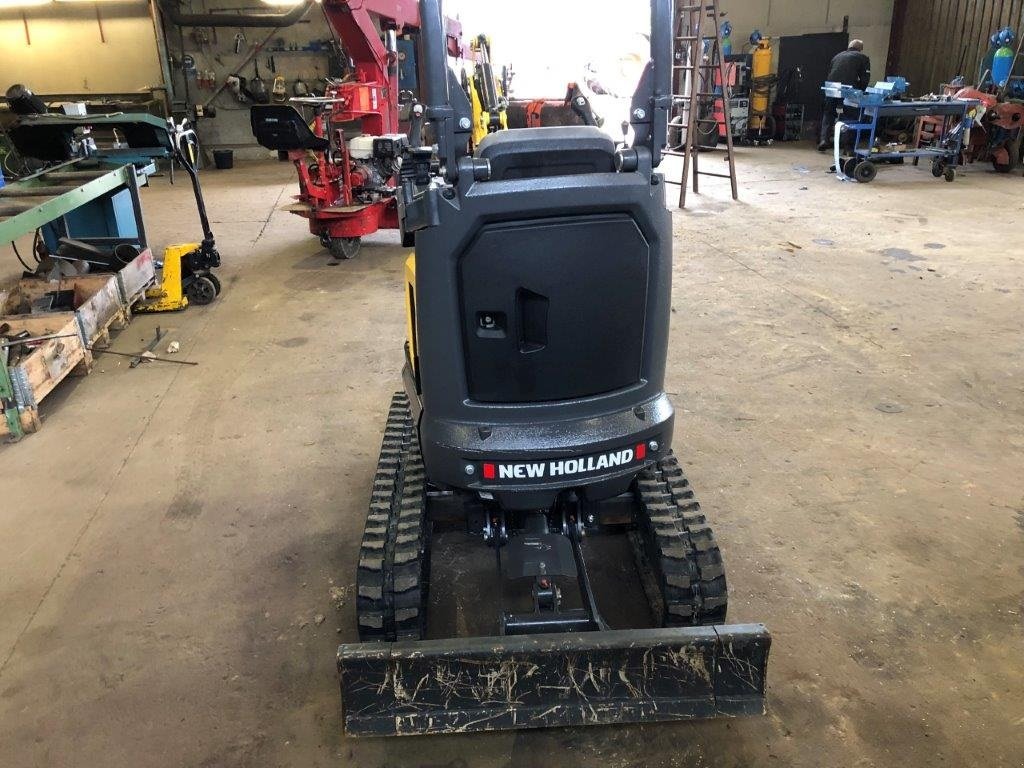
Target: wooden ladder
[{"x": 693, "y": 85}]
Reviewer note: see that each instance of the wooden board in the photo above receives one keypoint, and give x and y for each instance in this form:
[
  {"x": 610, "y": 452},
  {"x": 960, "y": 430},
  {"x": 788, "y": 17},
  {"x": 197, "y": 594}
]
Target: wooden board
[
  {"x": 942, "y": 38},
  {"x": 307, "y": 208},
  {"x": 100, "y": 310}
]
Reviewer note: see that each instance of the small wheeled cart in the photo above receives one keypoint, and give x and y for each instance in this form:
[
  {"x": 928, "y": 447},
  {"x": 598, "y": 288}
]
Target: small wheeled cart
[{"x": 861, "y": 158}]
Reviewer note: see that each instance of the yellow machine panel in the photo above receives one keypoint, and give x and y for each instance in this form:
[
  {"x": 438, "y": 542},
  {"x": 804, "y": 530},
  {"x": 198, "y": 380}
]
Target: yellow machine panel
[
  {"x": 410, "y": 310},
  {"x": 486, "y": 93},
  {"x": 169, "y": 295}
]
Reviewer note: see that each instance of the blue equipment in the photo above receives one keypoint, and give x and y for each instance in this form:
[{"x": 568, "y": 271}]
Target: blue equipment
[
  {"x": 726, "y": 38},
  {"x": 1003, "y": 56},
  {"x": 882, "y": 100}
]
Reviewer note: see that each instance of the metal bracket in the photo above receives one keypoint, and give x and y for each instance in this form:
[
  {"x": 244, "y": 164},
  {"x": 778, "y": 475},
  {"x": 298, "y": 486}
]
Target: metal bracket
[
  {"x": 13, "y": 417},
  {"x": 8, "y": 397},
  {"x": 22, "y": 388}
]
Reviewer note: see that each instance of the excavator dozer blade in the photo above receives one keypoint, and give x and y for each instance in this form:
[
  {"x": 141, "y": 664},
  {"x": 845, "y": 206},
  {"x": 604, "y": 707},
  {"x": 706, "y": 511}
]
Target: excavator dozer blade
[{"x": 537, "y": 681}]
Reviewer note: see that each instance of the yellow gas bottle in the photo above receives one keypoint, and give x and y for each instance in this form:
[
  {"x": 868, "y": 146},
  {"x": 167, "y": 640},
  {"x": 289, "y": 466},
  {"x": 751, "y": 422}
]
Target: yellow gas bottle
[{"x": 761, "y": 84}]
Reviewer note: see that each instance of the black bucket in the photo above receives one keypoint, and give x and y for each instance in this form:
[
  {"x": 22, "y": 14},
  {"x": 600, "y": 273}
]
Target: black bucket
[{"x": 223, "y": 159}]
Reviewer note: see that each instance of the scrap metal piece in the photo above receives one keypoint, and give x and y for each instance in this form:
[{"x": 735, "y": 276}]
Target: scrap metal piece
[
  {"x": 534, "y": 681},
  {"x": 142, "y": 356}
]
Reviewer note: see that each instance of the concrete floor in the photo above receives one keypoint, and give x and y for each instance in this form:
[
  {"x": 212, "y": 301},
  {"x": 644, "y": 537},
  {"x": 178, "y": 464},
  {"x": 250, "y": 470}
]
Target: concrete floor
[{"x": 178, "y": 543}]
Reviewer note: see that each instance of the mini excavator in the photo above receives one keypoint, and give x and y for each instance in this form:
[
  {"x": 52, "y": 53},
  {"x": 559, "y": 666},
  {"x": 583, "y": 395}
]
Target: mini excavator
[{"x": 534, "y": 422}]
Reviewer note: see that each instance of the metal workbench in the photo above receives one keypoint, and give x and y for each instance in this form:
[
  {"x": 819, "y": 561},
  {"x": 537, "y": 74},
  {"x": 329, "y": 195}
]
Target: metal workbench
[
  {"x": 96, "y": 201},
  {"x": 882, "y": 101}
]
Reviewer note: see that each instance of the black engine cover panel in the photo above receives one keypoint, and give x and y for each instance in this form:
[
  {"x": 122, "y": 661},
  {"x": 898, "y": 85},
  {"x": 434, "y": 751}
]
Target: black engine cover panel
[{"x": 553, "y": 309}]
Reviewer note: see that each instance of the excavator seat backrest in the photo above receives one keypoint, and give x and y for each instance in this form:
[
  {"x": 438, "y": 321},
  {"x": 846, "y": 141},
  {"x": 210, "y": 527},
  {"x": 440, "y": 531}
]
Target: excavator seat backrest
[
  {"x": 553, "y": 151},
  {"x": 281, "y": 127}
]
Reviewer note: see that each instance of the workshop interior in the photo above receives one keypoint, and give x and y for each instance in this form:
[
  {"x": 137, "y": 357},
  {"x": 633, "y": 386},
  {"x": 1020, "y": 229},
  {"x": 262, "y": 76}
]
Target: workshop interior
[{"x": 413, "y": 368}]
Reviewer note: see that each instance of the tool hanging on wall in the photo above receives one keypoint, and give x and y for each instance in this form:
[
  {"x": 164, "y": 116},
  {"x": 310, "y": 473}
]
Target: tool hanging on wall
[
  {"x": 279, "y": 91},
  {"x": 235, "y": 84},
  {"x": 258, "y": 87}
]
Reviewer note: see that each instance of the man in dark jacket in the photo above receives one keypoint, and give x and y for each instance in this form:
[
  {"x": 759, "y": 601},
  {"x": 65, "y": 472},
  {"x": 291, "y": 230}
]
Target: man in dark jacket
[{"x": 851, "y": 67}]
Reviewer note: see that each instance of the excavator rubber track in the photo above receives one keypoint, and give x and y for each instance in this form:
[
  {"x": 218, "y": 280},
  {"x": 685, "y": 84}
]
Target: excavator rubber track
[
  {"x": 393, "y": 559},
  {"x": 680, "y": 548}
]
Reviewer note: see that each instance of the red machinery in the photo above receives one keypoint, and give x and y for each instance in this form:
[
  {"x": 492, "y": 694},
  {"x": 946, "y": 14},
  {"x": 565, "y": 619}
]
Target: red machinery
[
  {"x": 574, "y": 109},
  {"x": 346, "y": 157},
  {"x": 997, "y": 135}
]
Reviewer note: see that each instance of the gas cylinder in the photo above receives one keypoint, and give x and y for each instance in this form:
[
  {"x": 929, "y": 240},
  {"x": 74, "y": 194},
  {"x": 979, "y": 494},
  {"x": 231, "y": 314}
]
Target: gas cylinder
[
  {"x": 760, "y": 78},
  {"x": 1002, "y": 59},
  {"x": 726, "y": 39},
  {"x": 1002, "y": 63}
]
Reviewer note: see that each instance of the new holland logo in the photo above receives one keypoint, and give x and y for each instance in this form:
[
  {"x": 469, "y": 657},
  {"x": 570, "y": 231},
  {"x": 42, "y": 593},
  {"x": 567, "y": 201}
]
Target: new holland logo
[{"x": 556, "y": 468}]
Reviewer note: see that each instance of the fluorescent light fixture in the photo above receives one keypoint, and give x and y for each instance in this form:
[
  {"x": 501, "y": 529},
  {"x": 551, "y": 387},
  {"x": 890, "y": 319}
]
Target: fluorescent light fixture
[
  {"x": 282, "y": 3},
  {"x": 21, "y": 3},
  {"x": 105, "y": 2}
]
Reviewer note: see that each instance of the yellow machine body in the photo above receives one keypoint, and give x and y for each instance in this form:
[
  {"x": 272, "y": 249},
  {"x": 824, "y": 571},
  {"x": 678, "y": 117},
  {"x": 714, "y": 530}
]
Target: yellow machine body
[
  {"x": 761, "y": 70},
  {"x": 169, "y": 295},
  {"x": 482, "y": 124},
  {"x": 410, "y": 312},
  {"x": 489, "y": 117},
  {"x": 482, "y": 117}
]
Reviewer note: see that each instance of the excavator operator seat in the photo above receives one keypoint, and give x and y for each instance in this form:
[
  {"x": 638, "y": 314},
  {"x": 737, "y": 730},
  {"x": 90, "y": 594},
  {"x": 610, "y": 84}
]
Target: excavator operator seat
[{"x": 281, "y": 127}]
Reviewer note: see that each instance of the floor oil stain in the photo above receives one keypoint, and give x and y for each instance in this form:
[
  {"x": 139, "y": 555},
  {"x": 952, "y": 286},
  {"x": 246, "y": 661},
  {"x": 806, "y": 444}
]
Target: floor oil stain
[
  {"x": 184, "y": 506},
  {"x": 294, "y": 341},
  {"x": 901, "y": 254}
]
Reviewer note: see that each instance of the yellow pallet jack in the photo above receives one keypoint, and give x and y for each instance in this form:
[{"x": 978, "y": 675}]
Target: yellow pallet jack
[
  {"x": 186, "y": 275},
  {"x": 179, "y": 284}
]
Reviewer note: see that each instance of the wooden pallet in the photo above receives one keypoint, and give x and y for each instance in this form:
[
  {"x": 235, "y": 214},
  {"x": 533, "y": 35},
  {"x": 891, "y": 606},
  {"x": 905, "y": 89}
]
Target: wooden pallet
[
  {"x": 36, "y": 375},
  {"x": 103, "y": 303},
  {"x": 98, "y": 303}
]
